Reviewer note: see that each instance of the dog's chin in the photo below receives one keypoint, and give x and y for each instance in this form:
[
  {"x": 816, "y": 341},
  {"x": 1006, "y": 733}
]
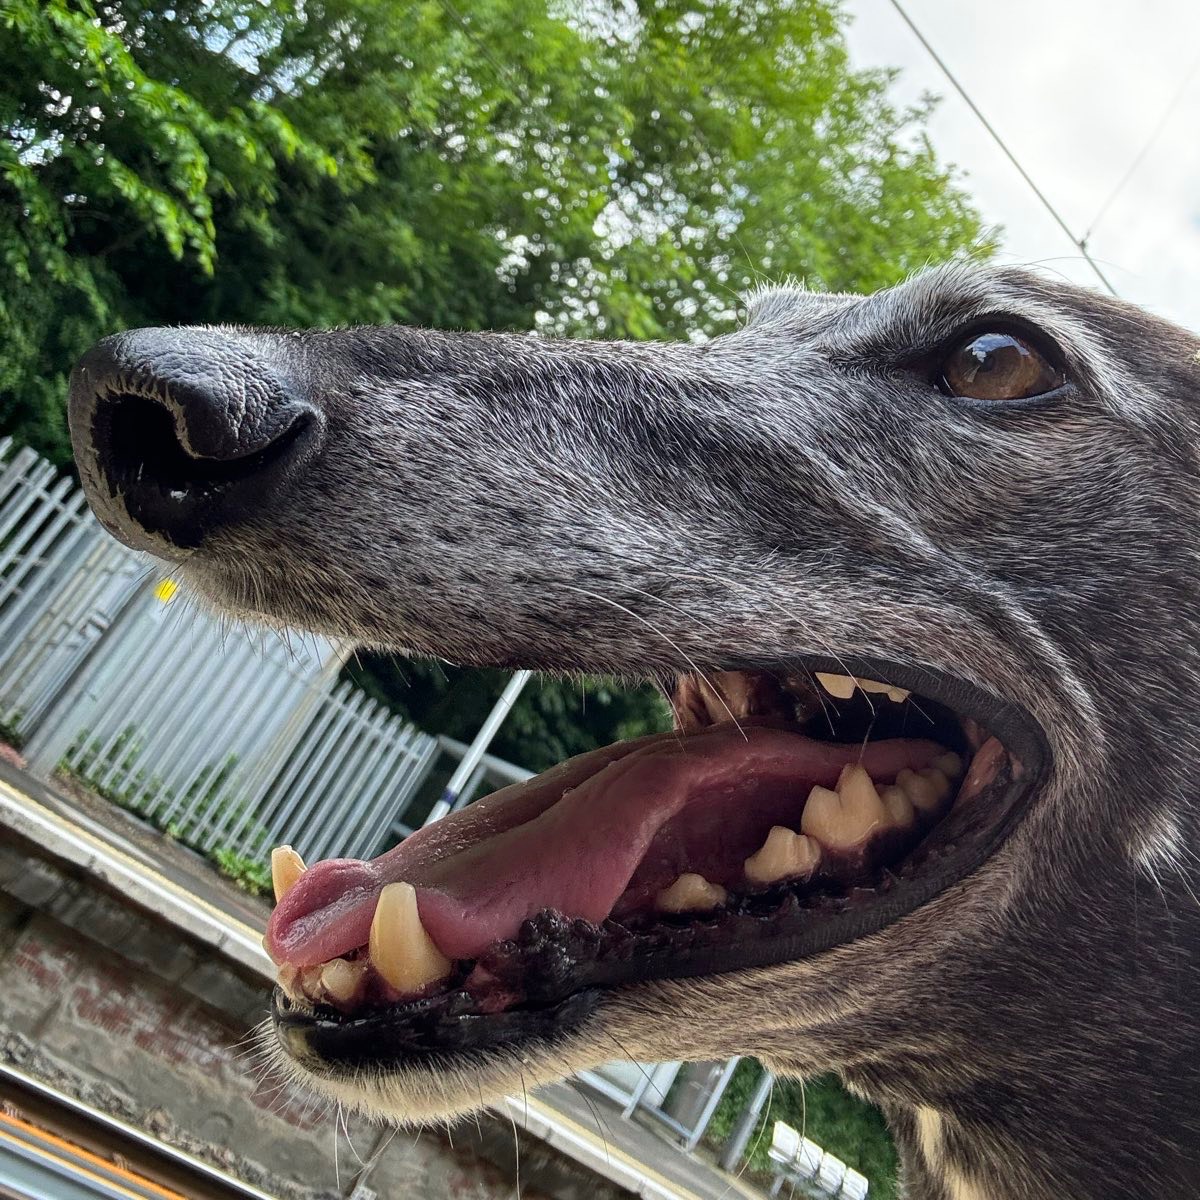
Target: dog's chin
[{"x": 788, "y": 820}]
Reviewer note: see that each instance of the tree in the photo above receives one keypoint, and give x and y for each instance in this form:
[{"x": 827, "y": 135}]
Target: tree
[
  {"x": 553, "y": 719},
  {"x": 621, "y": 171}
]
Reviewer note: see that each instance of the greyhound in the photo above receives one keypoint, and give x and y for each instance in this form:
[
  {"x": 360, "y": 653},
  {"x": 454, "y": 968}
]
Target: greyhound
[{"x": 920, "y": 573}]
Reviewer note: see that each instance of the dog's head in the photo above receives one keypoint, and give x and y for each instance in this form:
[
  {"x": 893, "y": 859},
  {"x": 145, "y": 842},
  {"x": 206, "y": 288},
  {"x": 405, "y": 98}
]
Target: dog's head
[{"x": 974, "y": 494}]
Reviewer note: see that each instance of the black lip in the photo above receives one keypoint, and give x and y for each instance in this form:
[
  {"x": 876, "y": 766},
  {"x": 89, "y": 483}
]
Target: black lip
[{"x": 328, "y": 1042}]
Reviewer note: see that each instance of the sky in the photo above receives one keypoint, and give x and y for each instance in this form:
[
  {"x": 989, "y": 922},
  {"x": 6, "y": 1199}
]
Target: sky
[{"x": 1077, "y": 89}]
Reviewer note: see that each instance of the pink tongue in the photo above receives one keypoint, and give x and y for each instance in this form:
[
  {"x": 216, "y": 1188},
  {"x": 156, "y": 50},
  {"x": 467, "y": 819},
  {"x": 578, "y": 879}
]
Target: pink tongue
[{"x": 570, "y": 839}]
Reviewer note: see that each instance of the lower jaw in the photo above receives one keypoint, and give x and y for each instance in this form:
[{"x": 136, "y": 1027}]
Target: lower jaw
[{"x": 557, "y": 972}]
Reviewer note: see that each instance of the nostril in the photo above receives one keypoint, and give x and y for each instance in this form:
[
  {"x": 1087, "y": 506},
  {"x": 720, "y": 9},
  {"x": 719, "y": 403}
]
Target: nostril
[
  {"x": 180, "y": 432},
  {"x": 144, "y": 447},
  {"x": 148, "y": 473}
]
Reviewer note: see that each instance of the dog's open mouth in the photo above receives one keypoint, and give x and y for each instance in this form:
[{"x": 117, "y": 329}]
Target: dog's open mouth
[{"x": 786, "y": 814}]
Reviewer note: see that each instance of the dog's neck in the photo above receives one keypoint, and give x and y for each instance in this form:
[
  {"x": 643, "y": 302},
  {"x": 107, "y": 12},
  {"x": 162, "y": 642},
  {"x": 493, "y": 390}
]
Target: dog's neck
[{"x": 1064, "y": 1070}]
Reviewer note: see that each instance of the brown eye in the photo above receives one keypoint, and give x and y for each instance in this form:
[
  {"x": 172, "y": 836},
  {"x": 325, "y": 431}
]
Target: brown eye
[{"x": 997, "y": 366}]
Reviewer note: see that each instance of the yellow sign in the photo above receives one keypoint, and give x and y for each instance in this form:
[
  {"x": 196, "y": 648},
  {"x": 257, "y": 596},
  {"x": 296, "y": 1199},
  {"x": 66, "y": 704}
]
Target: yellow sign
[{"x": 166, "y": 590}]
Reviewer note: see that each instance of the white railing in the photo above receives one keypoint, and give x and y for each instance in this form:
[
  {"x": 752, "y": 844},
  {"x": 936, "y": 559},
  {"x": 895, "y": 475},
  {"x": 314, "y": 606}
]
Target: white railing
[{"x": 229, "y": 741}]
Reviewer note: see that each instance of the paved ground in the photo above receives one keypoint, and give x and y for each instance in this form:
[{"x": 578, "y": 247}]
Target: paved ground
[
  {"x": 143, "y": 842},
  {"x": 177, "y": 884}
]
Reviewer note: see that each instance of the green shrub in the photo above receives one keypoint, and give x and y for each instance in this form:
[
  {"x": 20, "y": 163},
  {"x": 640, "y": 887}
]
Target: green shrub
[
  {"x": 250, "y": 874},
  {"x": 822, "y": 1110}
]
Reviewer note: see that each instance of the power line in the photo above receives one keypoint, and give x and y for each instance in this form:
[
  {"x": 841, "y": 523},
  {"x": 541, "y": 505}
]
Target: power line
[
  {"x": 1168, "y": 112},
  {"x": 1080, "y": 244}
]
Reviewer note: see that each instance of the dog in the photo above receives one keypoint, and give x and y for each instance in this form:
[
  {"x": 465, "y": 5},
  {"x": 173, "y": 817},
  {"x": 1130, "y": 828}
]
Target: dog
[{"x": 920, "y": 572}]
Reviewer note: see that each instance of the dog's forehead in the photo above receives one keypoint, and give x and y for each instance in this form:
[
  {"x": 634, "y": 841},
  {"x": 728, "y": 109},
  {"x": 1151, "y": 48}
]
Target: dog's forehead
[{"x": 928, "y": 305}]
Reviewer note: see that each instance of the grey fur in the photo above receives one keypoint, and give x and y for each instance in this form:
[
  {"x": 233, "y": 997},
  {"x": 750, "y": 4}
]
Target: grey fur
[{"x": 799, "y": 486}]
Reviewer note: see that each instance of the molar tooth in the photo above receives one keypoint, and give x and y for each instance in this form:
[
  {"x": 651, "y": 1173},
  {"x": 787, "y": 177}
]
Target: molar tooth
[
  {"x": 400, "y": 949},
  {"x": 691, "y": 893},
  {"x": 870, "y": 685},
  {"x": 784, "y": 855},
  {"x": 341, "y": 978},
  {"x": 286, "y": 867},
  {"x": 898, "y": 806},
  {"x": 924, "y": 793},
  {"x": 950, "y": 765},
  {"x": 840, "y": 687},
  {"x": 938, "y": 778}
]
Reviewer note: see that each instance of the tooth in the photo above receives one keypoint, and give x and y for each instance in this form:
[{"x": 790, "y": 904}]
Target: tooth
[
  {"x": 898, "y": 806},
  {"x": 939, "y": 781},
  {"x": 860, "y": 800},
  {"x": 822, "y": 817},
  {"x": 840, "y": 687},
  {"x": 287, "y": 978},
  {"x": 400, "y": 949},
  {"x": 691, "y": 893},
  {"x": 844, "y": 818},
  {"x": 341, "y": 978},
  {"x": 784, "y": 855},
  {"x": 308, "y": 980},
  {"x": 884, "y": 689},
  {"x": 950, "y": 765},
  {"x": 710, "y": 699},
  {"x": 286, "y": 867},
  {"x": 926, "y": 794}
]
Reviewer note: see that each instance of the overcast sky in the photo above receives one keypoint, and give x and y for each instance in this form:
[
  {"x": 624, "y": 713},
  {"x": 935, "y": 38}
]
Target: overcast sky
[{"x": 1076, "y": 88}]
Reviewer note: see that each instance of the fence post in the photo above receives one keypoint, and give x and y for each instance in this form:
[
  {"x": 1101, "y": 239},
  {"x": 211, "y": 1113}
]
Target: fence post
[{"x": 739, "y": 1137}]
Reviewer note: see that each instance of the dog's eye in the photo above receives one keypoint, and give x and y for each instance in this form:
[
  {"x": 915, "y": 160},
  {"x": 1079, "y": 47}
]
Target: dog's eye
[{"x": 997, "y": 366}]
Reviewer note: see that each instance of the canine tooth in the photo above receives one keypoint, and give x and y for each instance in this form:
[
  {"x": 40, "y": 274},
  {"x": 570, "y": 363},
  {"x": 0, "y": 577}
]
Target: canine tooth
[
  {"x": 939, "y": 781},
  {"x": 898, "y": 806},
  {"x": 840, "y": 687},
  {"x": 690, "y": 893},
  {"x": 400, "y": 949},
  {"x": 286, "y": 867},
  {"x": 950, "y": 765},
  {"x": 341, "y": 978},
  {"x": 924, "y": 793},
  {"x": 784, "y": 855}
]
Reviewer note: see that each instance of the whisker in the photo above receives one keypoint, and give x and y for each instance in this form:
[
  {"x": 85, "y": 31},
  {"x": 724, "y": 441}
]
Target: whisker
[{"x": 666, "y": 638}]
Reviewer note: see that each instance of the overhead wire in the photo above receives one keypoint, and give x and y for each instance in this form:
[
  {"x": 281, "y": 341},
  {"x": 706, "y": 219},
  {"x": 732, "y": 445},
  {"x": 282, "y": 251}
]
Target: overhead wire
[
  {"x": 1147, "y": 146},
  {"x": 1079, "y": 243}
]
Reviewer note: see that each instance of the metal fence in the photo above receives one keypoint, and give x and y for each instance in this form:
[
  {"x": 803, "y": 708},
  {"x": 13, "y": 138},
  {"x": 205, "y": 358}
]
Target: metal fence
[{"x": 230, "y": 741}]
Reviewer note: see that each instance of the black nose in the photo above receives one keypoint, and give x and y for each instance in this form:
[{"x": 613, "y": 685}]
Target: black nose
[{"x": 178, "y": 432}]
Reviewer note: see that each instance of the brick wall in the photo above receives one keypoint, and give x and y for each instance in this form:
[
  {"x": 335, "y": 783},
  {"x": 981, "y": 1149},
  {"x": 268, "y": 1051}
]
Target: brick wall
[{"x": 110, "y": 1003}]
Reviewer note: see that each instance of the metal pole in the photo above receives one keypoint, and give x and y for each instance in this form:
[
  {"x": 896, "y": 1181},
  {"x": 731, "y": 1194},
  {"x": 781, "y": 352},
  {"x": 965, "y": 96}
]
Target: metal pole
[
  {"x": 735, "y": 1147},
  {"x": 477, "y": 749}
]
